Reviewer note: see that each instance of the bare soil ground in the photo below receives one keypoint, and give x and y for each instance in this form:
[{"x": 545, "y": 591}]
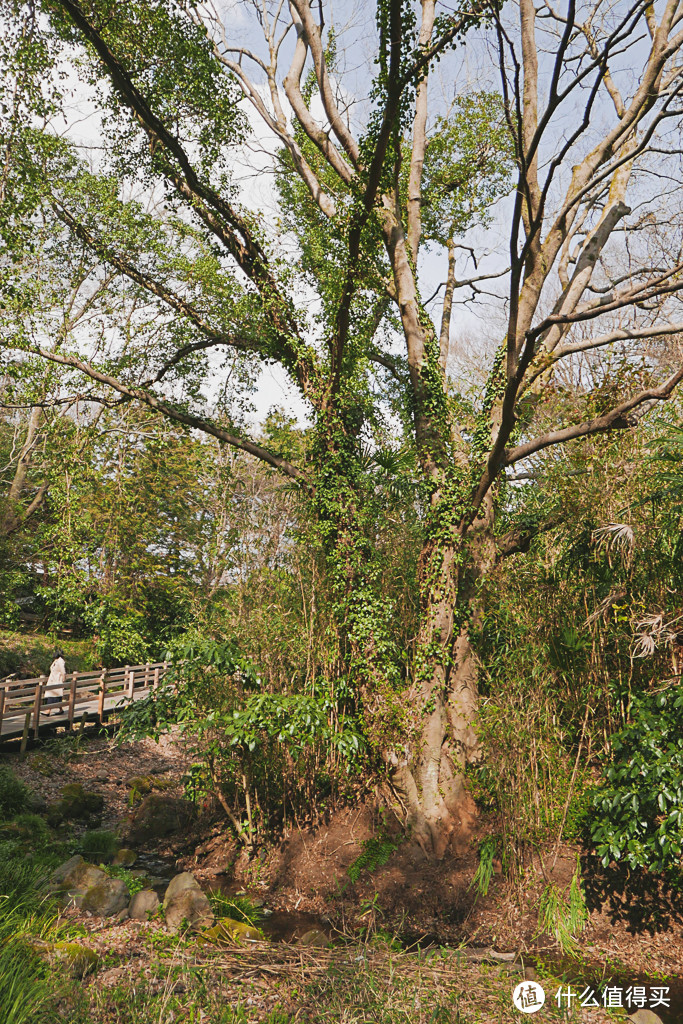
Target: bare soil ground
[{"x": 634, "y": 931}]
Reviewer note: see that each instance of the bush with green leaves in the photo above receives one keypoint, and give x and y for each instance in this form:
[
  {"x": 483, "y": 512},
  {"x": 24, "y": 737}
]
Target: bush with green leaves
[
  {"x": 14, "y": 795},
  {"x": 638, "y": 813},
  {"x": 563, "y": 915},
  {"x": 260, "y": 754}
]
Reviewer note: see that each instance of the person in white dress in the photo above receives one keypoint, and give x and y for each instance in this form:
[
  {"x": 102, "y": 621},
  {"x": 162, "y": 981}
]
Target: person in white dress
[{"x": 55, "y": 685}]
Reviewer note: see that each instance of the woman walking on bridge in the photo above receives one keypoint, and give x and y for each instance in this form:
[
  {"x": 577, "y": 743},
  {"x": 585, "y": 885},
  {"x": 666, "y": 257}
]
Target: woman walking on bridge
[{"x": 55, "y": 685}]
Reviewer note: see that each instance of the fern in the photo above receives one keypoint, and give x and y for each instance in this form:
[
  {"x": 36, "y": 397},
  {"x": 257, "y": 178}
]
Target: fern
[{"x": 375, "y": 853}]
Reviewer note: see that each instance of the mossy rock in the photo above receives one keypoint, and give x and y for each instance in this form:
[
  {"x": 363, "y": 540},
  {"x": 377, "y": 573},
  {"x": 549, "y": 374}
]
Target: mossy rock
[
  {"x": 142, "y": 785},
  {"x": 80, "y": 959},
  {"x": 158, "y": 816},
  {"x": 54, "y": 815},
  {"x": 78, "y": 803},
  {"x": 229, "y": 933},
  {"x": 107, "y": 897},
  {"x": 43, "y": 764},
  {"x": 124, "y": 858}
]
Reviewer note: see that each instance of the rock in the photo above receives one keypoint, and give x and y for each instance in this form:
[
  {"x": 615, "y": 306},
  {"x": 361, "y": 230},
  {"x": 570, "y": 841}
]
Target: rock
[
  {"x": 102, "y": 776},
  {"x": 76, "y": 876},
  {"x": 143, "y": 905},
  {"x": 644, "y": 1017},
  {"x": 140, "y": 785},
  {"x": 123, "y": 915},
  {"x": 124, "y": 858},
  {"x": 315, "y": 939},
  {"x": 60, "y": 873},
  {"x": 180, "y": 883},
  {"x": 159, "y": 816},
  {"x": 78, "y": 803},
  {"x": 106, "y": 898},
  {"x": 228, "y": 932},
  {"x": 79, "y": 958},
  {"x": 185, "y": 901}
]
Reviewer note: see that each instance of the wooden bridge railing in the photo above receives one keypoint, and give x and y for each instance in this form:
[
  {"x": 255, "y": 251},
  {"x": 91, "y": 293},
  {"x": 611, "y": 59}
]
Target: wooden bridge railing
[{"x": 110, "y": 688}]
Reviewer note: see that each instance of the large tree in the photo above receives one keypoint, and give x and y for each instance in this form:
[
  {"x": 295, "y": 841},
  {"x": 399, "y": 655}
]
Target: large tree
[{"x": 376, "y": 180}]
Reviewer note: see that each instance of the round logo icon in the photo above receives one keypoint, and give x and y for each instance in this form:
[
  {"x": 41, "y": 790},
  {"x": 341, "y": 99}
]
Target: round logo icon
[{"x": 528, "y": 996}]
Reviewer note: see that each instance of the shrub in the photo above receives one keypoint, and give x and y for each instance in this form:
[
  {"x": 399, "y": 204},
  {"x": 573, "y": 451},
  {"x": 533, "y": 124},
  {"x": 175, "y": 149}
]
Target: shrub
[
  {"x": 261, "y": 755},
  {"x": 14, "y": 795},
  {"x": 98, "y": 845},
  {"x": 638, "y": 814}
]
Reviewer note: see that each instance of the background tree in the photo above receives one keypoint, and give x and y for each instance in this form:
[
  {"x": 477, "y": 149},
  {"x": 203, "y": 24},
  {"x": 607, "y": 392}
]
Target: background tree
[{"x": 590, "y": 111}]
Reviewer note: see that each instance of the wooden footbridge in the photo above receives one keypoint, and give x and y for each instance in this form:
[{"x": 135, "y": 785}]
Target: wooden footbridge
[{"x": 88, "y": 696}]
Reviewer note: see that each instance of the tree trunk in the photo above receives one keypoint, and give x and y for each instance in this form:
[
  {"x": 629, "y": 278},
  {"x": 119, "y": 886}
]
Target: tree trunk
[
  {"x": 430, "y": 778},
  {"x": 12, "y": 517}
]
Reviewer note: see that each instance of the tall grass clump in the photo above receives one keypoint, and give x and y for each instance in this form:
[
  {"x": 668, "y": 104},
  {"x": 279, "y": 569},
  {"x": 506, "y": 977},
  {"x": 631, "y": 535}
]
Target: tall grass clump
[
  {"x": 25, "y": 913},
  {"x": 99, "y": 845}
]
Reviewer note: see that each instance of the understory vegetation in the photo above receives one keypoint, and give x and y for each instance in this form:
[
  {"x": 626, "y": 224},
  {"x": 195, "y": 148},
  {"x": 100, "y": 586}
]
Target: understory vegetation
[
  {"x": 578, "y": 647},
  {"x": 353, "y": 393}
]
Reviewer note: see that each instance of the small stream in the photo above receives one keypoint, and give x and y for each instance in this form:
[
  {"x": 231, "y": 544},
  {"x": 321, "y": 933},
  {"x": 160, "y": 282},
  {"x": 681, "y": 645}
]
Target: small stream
[{"x": 290, "y": 925}]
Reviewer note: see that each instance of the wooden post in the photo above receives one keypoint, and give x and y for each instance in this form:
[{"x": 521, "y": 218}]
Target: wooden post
[
  {"x": 146, "y": 682},
  {"x": 36, "y": 709},
  {"x": 24, "y": 735},
  {"x": 103, "y": 690},
  {"x": 155, "y": 681},
  {"x": 131, "y": 681},
  {"x": 72, "y": 699},
  {"x": 3, "y": 691},
  {"x": 81, "y": 727}
]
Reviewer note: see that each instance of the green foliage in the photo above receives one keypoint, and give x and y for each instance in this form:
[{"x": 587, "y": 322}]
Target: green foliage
[
  {"x": 25, "y": 993},
  {"x": 14, "y": 795},
  {"x": 469, "y": 163},
  {"x": 134, "y": 883},
  {"x": 29, "y": 829},
  {"x": 563, "y": 916},
  {"x": 375, "y": 853},
  {"x": 238, "y": 907},
  {"x": 98, "y": 845},
  {"x": 488, "y": 849},
  {"x": 257, "y": 752},
  {"x": 638, "y": 811}
]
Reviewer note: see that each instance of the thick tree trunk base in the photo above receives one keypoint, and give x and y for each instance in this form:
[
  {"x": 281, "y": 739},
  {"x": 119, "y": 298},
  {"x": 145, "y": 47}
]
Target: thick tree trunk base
[{"x": 439, "y": 811}]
